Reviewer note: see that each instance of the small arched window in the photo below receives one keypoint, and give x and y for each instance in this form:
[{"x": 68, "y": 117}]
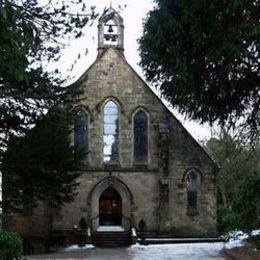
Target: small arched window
[
  {"x": 192, "y": 180},
  {"x": 140, "y": 137},
  {"x": 81, "y": 130},
  {"x": 111, "y": 133}
]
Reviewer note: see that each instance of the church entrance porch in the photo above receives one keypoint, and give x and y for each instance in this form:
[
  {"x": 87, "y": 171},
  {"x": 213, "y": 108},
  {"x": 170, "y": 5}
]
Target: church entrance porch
[
  {"x": 110, "y": 202},
  {"x": 110, "y": 208}
]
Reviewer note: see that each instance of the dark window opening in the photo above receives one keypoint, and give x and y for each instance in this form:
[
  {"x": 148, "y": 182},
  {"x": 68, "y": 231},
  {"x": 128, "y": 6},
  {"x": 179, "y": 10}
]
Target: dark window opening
[
  {"x": 81, "y": 130},
  {"x": 192, "y": 200},
  {"x": 140, "y": 137},
  {"x": 192, "y": 188}
]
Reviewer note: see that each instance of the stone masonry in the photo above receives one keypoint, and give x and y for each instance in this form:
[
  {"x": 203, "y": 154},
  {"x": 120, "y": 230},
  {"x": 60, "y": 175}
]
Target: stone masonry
[
  {"x": 131, "y": 93},
  {"x": 154, "y": 192}
]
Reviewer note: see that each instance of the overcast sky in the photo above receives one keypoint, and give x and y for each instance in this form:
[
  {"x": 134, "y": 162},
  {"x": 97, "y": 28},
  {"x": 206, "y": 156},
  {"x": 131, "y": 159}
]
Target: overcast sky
[{"x": 133, "y": 13}]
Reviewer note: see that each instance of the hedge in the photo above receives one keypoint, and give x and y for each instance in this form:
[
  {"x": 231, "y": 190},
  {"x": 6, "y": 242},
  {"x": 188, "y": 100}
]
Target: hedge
[{"x": 10, "y": 246}]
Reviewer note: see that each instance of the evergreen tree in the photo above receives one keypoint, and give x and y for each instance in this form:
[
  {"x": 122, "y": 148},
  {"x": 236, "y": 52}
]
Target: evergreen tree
[
  {"x": 29, "y": 33},
  {"x": 42, "y": 165},
  {"x": 246, "y": 204},
  {"x": 204, "y": 56},
  {"x": 237, "y": 181}
]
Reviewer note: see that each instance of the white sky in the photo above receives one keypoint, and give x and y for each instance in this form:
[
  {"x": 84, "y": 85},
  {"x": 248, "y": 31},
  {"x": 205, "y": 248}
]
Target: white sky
[{"x": 133, "y": 15}]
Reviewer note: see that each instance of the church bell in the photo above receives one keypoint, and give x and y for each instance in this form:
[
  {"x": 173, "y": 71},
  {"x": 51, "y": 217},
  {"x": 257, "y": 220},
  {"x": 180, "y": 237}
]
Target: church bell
[{"x": 110, "y": 29}]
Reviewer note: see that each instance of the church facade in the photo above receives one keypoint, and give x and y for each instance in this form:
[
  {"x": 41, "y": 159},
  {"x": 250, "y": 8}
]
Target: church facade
[{"x": 142, "y": 168}]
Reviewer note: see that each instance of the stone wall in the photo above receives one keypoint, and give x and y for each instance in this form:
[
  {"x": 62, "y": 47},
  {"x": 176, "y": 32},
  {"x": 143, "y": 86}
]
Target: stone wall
[
  {"x": 130, "y": 93},
  {"x": 159, "y": 198}
]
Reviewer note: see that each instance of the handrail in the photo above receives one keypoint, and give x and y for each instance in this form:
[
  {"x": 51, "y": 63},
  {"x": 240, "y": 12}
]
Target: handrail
[
  {"x": 131, "y": 228},
  {"x": 89, "y": 228},
  {"x": 129, "y": 219},
  {"x": 90, "y": 221},
  {"x": 89, "y": 239}
]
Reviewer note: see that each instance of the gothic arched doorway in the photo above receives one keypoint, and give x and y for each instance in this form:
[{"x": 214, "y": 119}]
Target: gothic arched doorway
[
  {"x": 124, "y": 194},
  {"x": 110, "y": 208}
]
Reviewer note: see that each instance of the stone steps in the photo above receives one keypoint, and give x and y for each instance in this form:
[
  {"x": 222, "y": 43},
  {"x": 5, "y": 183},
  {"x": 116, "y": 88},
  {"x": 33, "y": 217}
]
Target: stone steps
[{"x": 111, "y": 239}]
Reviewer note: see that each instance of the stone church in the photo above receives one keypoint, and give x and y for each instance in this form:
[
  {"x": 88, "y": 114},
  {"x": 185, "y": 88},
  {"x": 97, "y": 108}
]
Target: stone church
[{"x": 142, "y": 168}]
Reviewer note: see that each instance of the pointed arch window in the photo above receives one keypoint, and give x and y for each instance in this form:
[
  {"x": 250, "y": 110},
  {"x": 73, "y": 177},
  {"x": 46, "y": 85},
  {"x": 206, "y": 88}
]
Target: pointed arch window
[
  {"x": 192, "y": 180},
  {"x": 140, "y": 137},
  {"x": 81, "y": 130},
  {"x": 111, "y": 133}
]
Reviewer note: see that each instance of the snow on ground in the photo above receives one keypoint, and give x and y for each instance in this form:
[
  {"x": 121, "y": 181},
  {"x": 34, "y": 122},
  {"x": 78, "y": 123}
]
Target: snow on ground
[
  {"x": 198, "y": 251},
  {"x": 194, "y": 251},
  {"x": 255, "y": 232},
  {"x": 235, "y": 238},
  {"x": 181, "y": 251},
  {"x": 76, "y": 248},
  {"x": 238, "y": 238}
]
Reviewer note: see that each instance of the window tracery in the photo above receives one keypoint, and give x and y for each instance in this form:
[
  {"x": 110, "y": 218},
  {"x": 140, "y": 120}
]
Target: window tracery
[{"x": 111, "y": 133}]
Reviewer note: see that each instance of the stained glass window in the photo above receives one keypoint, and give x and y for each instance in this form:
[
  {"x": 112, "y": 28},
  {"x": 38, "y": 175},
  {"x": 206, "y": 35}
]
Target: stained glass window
[
  {"x": 111, "y": 133},
  {"x": 140, "y": 137},
  {"x": 192, "y": 188},
  {"x": 81, "y": 130}
]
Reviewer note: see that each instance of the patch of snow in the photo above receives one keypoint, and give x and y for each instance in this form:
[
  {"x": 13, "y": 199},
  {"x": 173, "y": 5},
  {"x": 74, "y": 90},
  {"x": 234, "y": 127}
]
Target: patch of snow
[
  {"x": 236, "y": 235},
  {"x": 198, "y": 251},
  {"x": 179, "y": 251},
  {"x": 238, "y": 238},
  {"x": 255, "y": 232},
  {"x": 235, "y": 238},
  {"x": 234, "y": 243},
  {"x": 110, "y": 229},
  {"x": 77, "y": 247},
  {"x": 133, "y": 230}
]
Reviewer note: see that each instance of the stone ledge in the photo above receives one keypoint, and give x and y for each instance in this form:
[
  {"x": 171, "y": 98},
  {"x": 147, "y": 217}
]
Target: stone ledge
[{"x": 181, "y": 240}]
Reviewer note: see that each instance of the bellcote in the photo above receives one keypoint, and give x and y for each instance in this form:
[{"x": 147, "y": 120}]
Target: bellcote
[{"x": 110, "y": 31}]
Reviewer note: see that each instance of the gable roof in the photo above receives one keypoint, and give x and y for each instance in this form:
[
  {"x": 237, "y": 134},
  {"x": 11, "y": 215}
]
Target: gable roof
[
  {"x": 110, "y": 13},
  {"x": 83, "y": 77}
]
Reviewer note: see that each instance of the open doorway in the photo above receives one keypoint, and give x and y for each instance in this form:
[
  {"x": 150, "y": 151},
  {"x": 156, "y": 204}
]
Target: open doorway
[{"x": 110, "y": 208}]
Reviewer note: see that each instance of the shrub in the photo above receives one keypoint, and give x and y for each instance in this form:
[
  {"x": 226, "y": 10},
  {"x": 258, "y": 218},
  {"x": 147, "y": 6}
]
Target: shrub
[
  {"x": 10, "y": 246},
  {"x": 246, "y": 202},
  {"x": 227, "y": 219}
]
